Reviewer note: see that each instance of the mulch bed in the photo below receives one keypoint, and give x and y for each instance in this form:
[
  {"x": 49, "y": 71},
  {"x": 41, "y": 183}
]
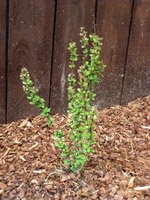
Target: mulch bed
[{"x": 30, "y": 166}]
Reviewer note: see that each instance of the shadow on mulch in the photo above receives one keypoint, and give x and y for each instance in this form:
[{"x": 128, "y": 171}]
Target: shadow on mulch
[{"x": 30, "y": 167}]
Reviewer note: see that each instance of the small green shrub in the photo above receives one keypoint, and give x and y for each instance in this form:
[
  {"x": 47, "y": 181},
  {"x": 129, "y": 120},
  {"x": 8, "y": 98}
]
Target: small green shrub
[
  {"x": 33, "y": 97},
  {"x": 82, "y": 115}
]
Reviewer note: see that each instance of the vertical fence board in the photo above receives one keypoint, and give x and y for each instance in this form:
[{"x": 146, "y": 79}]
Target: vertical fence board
[
  {"x": 2, "y": 59},
  {"x": 30, "y": 45},
  {"x": 137, "y": 76},
  {"x": 70, "y": 16},
  {"x": 113, "y": 20}
]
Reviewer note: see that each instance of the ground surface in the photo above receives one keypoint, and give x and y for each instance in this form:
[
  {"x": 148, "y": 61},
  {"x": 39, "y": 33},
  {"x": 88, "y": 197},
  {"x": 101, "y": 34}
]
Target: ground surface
[{"x": 30, "y": 167}]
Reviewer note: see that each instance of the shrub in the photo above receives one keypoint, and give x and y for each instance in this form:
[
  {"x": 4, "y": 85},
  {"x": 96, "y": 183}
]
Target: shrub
[
  {"x": 33, "y": 97},
  {"x": 81, "y": 114}
]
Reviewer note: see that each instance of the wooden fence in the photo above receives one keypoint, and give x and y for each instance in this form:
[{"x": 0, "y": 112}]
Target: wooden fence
[{"x": 35, "y": 34}]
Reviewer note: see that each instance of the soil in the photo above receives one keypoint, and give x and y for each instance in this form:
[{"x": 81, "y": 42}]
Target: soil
[{"x": 30, "y": 166}]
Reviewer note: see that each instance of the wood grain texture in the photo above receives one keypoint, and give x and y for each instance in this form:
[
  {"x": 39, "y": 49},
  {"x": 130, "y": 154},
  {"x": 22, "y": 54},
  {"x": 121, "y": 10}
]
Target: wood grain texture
[
  {"x": 2, "y": 60},
  {"x": 70, "y": 16},
  {"x": 137, "y": 76},
  {"x": 113, "y": 21},
  {"x": 30, "y": 45}
]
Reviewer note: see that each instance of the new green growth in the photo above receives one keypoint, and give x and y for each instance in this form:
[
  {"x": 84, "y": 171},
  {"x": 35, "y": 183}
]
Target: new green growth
[
  {"x": 81, "y": 113},
  {"x": 32, "y": 95}
]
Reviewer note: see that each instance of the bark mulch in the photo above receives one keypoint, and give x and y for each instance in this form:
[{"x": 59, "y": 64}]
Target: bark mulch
[{"x": 30, "y": 167}]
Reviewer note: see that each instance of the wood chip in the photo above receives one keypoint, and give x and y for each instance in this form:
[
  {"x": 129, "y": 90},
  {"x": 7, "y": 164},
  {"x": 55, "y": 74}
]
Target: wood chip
[
  {"x": 3, "y": 186},
  {"x": 39, "y": 171},
  {"x": 31, "y": 168},
  {"x": 131, "y": 182},
  {"x": 22, "y": 158},
  {"x": 140, "y": 188}
]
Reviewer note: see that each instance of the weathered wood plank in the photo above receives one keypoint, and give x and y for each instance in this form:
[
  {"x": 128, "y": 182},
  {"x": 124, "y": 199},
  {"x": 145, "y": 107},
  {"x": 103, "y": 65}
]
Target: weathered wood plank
[
  {"x": 2, "y": 60},
  {"x": 30, "y": 45},
  {"x": 113, "y": 20},
  {"x": 70, "y": 16},
  {"x": 137, "y": 76}
]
